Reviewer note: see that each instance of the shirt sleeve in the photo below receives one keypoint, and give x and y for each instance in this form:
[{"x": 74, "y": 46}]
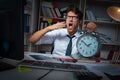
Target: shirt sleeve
[{"x": 48, "y": 38}]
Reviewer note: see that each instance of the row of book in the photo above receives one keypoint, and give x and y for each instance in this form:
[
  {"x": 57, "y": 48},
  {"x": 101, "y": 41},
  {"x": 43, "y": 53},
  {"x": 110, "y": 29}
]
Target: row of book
[
  {"x": 51, "y": 10},
  {"x": 51, "y": 14},
  {"x": 112, "y": 55},
  {"x": 105, "y": 38},
  {"x": 44, "y": 22},
  {"x": 91, "y": 16}
]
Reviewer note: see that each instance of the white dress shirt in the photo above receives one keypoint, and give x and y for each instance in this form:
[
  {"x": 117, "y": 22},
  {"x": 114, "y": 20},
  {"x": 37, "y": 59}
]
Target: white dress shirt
[{"x": 60, "y": 40}]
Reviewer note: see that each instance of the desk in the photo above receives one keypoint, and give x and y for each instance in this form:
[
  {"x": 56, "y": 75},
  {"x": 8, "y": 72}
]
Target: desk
[{"x": 54, "y": 75}]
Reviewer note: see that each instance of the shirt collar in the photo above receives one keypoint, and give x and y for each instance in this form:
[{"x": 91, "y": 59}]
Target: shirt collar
[{"x": 77, "y": 34}]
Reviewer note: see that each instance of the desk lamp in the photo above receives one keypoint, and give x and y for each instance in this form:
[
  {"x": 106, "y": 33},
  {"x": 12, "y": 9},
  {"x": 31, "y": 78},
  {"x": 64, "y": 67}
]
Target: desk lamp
[{"x": 114, "y": 13}]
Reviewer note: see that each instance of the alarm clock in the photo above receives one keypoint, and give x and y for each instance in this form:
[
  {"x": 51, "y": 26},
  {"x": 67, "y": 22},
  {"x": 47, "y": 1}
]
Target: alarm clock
[{"x": 88, "y": 44}]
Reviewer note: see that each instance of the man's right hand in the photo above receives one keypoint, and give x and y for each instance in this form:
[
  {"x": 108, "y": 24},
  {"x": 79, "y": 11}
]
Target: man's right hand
[{"x": 58, "y": 25}]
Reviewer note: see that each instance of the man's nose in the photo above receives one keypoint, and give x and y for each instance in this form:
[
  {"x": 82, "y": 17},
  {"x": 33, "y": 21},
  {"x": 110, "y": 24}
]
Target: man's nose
[{"x": 71, "y": 19}]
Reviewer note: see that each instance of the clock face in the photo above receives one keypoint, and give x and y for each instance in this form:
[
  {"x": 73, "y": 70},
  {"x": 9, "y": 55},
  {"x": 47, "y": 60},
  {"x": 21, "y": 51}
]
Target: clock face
[{"x": 87, "y": 45}]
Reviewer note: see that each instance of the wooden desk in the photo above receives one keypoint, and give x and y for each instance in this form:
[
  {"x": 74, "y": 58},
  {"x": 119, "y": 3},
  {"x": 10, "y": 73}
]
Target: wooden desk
[{"x": 34, "y": 74}]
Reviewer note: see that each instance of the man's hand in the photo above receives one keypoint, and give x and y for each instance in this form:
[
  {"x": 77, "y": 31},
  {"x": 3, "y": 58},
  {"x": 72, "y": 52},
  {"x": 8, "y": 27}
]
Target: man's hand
[
  {"x": 65, "y": 59},
  {"x": 58, "y": 25}
]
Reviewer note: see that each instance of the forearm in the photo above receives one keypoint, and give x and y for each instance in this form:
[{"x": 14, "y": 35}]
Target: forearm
[{"x": 38, "y": 35}]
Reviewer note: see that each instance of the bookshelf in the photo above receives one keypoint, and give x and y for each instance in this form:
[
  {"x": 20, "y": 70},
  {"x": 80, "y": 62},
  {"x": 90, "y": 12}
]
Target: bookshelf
[
  {"x": 44, "y": 13},
  {"x": 96, "y": 11},
  {"x": 31, "y": 8},
  {"x": 27, "y": 19},
  {"x": 52, "y": 11},
  {"x": 107, "y": 27}
]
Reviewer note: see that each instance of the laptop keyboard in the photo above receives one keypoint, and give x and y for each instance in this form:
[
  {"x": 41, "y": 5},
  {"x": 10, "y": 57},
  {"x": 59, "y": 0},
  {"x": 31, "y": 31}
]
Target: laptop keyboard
[{"x": 52, "y": 65}]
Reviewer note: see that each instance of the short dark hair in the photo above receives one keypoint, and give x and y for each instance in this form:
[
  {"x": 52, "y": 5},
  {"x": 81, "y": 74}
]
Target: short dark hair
[{"x": 76, "y": 10}]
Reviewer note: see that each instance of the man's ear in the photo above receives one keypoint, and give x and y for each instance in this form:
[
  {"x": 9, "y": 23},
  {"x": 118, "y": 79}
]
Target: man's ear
[{"x": 80, "y": 22}]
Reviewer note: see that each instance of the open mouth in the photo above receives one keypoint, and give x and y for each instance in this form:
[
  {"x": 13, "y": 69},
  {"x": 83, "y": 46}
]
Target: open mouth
[{"x": 70, "y": 25}]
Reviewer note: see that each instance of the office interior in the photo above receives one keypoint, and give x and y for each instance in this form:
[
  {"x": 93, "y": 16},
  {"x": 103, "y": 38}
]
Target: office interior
[{"x": 106, "y": 65}]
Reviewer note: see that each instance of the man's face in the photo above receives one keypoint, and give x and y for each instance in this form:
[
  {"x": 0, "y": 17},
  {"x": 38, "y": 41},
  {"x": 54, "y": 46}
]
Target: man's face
[{"x": 72, "y": 22}]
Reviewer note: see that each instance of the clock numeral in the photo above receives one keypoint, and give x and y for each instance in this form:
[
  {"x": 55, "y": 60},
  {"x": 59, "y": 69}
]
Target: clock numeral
[
  {"x": 93, "y": 42},
  {"x": 80, "y": 47},
  {"x": 79, "y": 43},
  {"x": 90, "y": 52},
  {"x": 95, "y": 46},
  {"x": 83, "y": 51}
]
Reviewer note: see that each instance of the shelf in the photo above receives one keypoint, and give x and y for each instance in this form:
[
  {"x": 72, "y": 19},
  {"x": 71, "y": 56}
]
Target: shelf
[
  {"x": 106, "y": 27},
  {"x": 111, "y": 44},
  {"x": 104, "y": 22},
  {"x": 106, "y": 2},
  {"x": 52, "y": 18},
  {"x": 96, "y": 11},
  {"x": 53, "y": 11},
  {"x": 68, "y": 1}
]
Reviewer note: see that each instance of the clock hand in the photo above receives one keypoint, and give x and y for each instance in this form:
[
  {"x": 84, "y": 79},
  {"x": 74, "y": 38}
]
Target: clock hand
[
  {"x": 84, "y": 42},
  {"x": 89, "y": 44}
]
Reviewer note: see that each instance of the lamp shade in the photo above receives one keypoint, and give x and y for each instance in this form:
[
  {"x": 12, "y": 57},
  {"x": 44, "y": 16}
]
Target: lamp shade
[{"x": 114, "y": 13}]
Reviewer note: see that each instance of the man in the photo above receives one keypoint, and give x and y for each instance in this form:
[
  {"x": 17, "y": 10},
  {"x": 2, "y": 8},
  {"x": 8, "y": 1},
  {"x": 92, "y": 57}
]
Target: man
[{"x": 61, "y": 36}]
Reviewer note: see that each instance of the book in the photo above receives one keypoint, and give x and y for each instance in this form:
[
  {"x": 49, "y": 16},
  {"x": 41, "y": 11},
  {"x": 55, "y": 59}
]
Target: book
[
  {"x": 50, "y": 9},
  {"x": 110, "y": 56},
  {"x": 90, "y": 15},
  {"x": 53, "y": 12},
  {"x": 116, "y": 58},
  {"x": 58, "y": 12},
  {"x": 47, "y": 4},
  {"x": 26, "y": 22},
  {"x": 44, "y": 11},
  {"x": 49, "y": 12},
  {"x": 43, "y": 24}
]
